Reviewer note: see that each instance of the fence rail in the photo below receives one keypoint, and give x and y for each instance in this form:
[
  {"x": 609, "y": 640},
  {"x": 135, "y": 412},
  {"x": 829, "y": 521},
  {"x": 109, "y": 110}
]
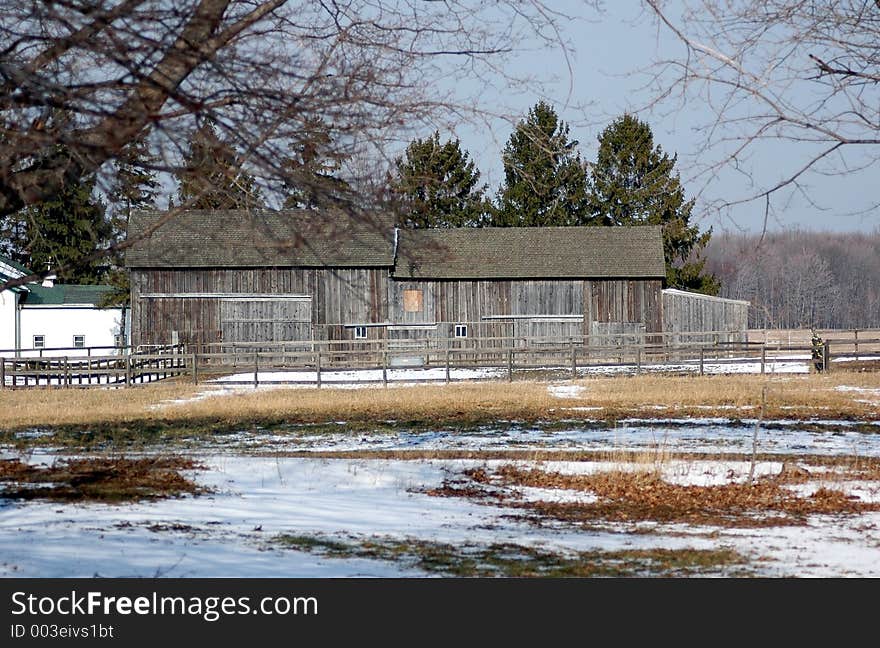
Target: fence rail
[{"x": 316, "y": 362}]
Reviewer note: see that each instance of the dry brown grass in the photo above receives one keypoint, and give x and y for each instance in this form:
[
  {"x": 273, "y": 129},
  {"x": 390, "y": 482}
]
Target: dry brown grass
[
  {"x": 635, "y": 496},
  {"x": 97, "y": 479},
  {"x": 729, "y": 396}
]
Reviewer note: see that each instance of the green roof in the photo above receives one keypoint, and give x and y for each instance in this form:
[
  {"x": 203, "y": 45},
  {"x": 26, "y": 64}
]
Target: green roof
[
  {"x": 65, "y": 294},
  {"x": 531, "y": 253},
  {"x": 262, "y": 238}
]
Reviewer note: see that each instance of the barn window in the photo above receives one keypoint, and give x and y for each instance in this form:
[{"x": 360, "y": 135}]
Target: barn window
[
  {"x": 412, "y": 301},
  {"x": 79, "y": 341},
  {"x": 461, "y": 330},
  {"x": 360, "y": 332},
  {"x": 39, "y": 341}
]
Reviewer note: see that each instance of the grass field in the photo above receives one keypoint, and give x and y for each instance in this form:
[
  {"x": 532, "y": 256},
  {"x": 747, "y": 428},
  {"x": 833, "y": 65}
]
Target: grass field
[{"x": 854, "y": 396}]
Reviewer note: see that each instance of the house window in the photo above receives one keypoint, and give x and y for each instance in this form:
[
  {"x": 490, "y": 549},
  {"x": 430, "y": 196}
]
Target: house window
[
  {"x": 79, "y": 341},
  {"x": 412, "y": 301},
  {"x": 39, "y": 341},
  {"x": 360, "y": 332},
  {"x": 461, "y": 330}
]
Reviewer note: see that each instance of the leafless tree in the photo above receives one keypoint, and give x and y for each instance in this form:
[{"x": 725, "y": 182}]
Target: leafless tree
[
  {"x": 801, "y": 279},
  {"x": 802, "y": 72},
  {"x": 80, "y": 79}
]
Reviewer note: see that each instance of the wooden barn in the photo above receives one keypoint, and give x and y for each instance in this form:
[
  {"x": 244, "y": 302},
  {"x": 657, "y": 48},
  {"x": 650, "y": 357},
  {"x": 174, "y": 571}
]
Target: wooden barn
[{"x": 269, "y": 276}]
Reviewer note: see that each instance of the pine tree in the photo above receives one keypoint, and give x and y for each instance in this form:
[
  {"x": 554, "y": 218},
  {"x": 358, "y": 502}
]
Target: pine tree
[
  {"x": 310, "y": 173},
  {"x": 134, "y": 186},
  {"x": 212, "y": 177},
  {"x": 436, "y": 185},
  {"x": 63, "y": 233},
  {"x": 544, "y": 176},
  {"x": 634, "y": 183}
]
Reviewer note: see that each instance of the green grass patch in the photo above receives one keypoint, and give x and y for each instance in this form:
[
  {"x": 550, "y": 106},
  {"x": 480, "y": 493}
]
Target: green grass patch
[{"x": 517, "y": 561}]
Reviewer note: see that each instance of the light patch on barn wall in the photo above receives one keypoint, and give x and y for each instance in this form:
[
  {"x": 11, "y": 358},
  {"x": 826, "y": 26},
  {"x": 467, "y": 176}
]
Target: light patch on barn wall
[{"x": 412, "y": 301}]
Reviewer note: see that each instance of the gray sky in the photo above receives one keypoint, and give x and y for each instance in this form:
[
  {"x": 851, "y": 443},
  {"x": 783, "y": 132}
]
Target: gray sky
[{"x": 608, "y": 51}]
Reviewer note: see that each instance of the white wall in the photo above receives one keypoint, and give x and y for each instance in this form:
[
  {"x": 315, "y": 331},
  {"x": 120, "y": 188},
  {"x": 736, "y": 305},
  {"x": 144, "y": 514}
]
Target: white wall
[
  {"x": 60, "y": 323},
  {"x": 7, "y": 320}
]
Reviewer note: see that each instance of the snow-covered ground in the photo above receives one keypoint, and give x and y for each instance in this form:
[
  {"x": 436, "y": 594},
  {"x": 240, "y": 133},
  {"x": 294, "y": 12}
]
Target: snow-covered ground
[
  {"x": 229, "y": 532},
  {"x": 355, "y": 378}
]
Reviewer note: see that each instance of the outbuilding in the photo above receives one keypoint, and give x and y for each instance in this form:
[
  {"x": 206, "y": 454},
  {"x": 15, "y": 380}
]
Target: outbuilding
[{"x": 204, "y": 277}]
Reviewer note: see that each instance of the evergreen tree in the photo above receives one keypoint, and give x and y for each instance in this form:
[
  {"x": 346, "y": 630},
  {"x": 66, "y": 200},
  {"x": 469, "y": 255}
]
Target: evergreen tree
[
  {"x": 544, "y": 176},
  {"x": 62, "y": 233},
  {"x": 310, "y": 173},
  {"x": 212, "y": 177},
  {"x": 134, "y": 186},
  {"x": 635, "y": 183},
  {"x": 436, "y": 185}
]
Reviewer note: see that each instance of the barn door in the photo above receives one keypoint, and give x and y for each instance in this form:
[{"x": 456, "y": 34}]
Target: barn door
[{"x": 266, "y": 320}]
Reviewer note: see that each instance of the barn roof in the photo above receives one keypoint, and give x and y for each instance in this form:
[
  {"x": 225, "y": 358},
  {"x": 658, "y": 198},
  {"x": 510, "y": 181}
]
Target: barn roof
[
  {"x": 531, "y": 252},
  {"x": 231, "y": 238}
]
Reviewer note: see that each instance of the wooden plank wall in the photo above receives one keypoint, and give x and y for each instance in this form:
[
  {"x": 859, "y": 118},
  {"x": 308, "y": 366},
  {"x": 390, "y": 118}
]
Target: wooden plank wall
[
  {"x": 683, "y": 312},
  {"x": 342, "y": 298},
  {"x": 624, "y": 300}
]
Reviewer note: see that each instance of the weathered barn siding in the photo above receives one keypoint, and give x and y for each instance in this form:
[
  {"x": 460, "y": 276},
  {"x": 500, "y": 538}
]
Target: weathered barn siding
[
  {"x": 635, "y": 300},
  {"x": 685, "y": 312},
  {"x": 197, "y": 306},
  {"x": 265, "y": 276}
]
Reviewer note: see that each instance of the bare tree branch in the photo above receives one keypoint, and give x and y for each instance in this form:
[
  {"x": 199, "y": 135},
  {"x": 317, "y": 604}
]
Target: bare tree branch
[{"x": 804, "y": 73}]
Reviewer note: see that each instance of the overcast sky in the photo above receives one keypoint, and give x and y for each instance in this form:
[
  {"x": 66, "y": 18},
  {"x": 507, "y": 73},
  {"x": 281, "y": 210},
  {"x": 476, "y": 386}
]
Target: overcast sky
[{"x": 607, "y": 51}]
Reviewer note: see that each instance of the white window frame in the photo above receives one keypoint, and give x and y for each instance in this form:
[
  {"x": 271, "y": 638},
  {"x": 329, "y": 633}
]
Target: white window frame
[
  {"x": 42, "y": 344},
  {"x": 360, "y": 332},
  {"x": 461, "y": 331},
  {"x": 79, "y": 346}
]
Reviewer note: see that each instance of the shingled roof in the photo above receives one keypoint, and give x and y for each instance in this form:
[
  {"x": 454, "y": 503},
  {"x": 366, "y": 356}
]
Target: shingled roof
[
  {"x": 531, "y": 253},
  {"x": 230, "y": 238},
  {"x": 65, "y": 294}
]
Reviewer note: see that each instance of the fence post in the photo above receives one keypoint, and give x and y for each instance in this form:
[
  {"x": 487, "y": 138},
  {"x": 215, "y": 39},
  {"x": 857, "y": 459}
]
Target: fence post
[
  {"x": 574, "y": 367},
  {"x": 826, "y": 356},
  {"x": 256, "y": 369},
  {"x": 318, "y": 367},
  {"x": 128, "y": 370},
  {"x": 763, "y": 358},
  {"x": 639, "y": 360},
  {"x": 510, "y": 365},
  {"x": 66, "y": 372},
  {"x": 385, "y": 368},
  {"x": 702, "y": 359},
  {"x": 447, "y": 365},
  {"x": 856, "y": 337},
  {"x": 195, "y": 369}
]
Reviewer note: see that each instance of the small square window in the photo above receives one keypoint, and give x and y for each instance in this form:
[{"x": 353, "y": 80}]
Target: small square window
[
  {"x": 79, "y": 341},
  {"x": 39, "y": 341},
  {"x": 461, "y": 330},
  {"x": 360, "y": 332}
]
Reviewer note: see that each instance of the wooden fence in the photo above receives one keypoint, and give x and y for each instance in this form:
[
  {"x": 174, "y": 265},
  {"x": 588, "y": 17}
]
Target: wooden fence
[{"x": 316, "y": 362}]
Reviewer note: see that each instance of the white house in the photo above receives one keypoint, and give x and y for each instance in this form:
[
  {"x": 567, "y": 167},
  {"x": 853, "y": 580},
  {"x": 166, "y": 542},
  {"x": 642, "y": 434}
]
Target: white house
[{"x": 56, "y": 319}]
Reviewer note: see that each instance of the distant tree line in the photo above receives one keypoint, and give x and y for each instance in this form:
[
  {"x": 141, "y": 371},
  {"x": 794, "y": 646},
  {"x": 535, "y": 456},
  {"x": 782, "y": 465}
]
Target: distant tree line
[{"x": 801, "y": 279}]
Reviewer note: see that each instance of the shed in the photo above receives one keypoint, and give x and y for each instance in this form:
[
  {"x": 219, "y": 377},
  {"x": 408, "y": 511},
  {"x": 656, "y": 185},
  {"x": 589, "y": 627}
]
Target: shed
[{"x": 693, "y": 317}]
